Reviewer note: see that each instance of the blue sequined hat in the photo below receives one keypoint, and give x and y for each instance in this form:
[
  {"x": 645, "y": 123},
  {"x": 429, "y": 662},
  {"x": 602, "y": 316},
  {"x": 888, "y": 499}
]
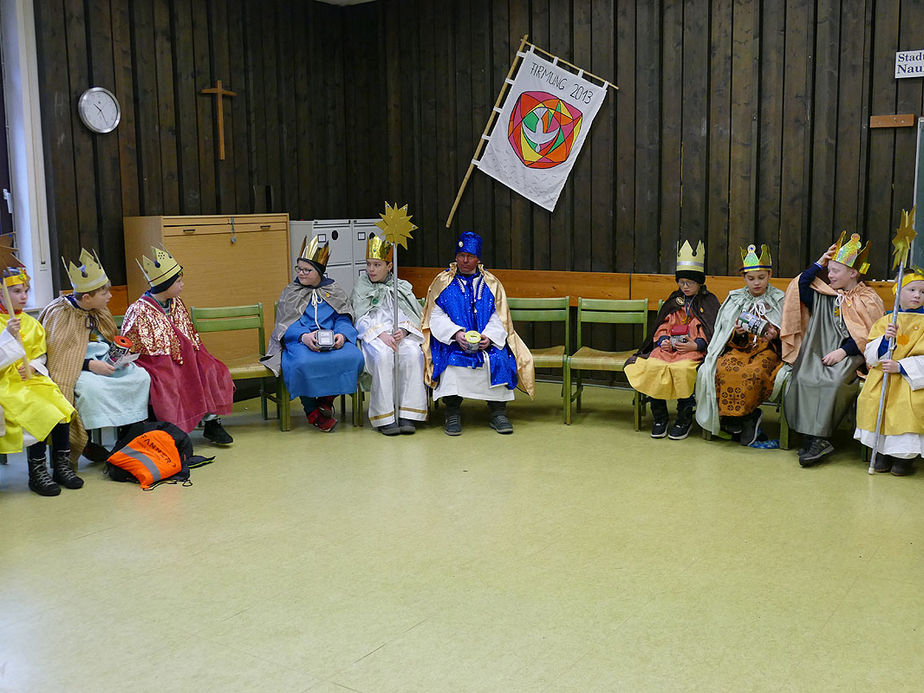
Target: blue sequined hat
[{"x": 469, "y": 242}]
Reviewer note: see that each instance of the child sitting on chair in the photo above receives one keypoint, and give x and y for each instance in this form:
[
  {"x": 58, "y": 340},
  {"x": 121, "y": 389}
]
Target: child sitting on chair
[
  {"x": 188, "y": 384},
  {"x": 33, "y": 406},
  {"x": 314, "y": 341},
  {"x": 665, "y": 366},
  {"x": 79, "y": 330},
  {"x": 824, "y": 330},
  {"x": 901, "y": 438},
  {"x": 382, "y": 341},
  {"x": 742, "y": 367}
]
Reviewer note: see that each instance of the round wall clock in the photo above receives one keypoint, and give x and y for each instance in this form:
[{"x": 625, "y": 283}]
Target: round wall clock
[{"x": 99, "y": 109}]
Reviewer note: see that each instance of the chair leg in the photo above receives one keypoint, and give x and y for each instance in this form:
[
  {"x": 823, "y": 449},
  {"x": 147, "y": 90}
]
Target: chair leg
[
  {"x": 784, "y": 429},
  {"x": 358, "y": 407},
  {"x": 282, "y": 405},
  {"x": 637, "y": 405},
  {"x": 263, "y": 407},
  {"x": 566, "y": 391}
]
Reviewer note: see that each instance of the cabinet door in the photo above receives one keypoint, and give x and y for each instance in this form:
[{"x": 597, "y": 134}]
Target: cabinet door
[{"x": 217, "y": 272}]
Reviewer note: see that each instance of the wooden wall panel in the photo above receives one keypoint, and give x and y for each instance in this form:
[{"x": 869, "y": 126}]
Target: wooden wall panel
[{"x": 736, "y": 122}]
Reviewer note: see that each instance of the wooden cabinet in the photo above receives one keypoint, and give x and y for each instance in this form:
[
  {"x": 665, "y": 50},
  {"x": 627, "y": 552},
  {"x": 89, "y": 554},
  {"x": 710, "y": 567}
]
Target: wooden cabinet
[{"x": 227, "y": 260}]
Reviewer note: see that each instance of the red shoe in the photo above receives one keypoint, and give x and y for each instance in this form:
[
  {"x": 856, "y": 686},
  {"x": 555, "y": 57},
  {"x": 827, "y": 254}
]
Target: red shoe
[
  {"x": 326, "y": 406},
  {"x": 325, "y": 423}
]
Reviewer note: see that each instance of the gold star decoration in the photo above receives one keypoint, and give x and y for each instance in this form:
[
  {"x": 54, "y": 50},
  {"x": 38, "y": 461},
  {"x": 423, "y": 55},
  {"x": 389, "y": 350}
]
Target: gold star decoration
[
  {"x": 904, "y": 234},
  {"x": 396, "y": 225},
  {"x": 8, "y": 252}
]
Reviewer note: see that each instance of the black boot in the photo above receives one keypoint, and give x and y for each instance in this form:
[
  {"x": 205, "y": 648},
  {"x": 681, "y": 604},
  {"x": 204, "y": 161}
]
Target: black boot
[
  {"x": 63, "y": 472},
  {"x": 215, "y": 433},
  {"x": 499, "y": 420},
  {"x": 453, "y": 424},
  {"x": 39, "y": 479}
]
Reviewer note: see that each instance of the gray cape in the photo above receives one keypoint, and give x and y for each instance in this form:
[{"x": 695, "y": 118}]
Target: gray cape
[{"x": 293, "y": 301}]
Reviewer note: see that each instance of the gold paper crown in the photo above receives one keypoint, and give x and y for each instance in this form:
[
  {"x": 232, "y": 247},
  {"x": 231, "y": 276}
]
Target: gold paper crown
[
  {"x": 161, "y": 268},
  {"x": 89, "y": 276},
  {"x": 14, "y": 272},
  {"x": 851, "y": 253},
  {"x": 912, "y": 274},
  {"x": 311, "y": 251},
  {"x": 751, "y": 263},
  {"x": 378, "y": 249},
  {"x": 689, "y": 260}
]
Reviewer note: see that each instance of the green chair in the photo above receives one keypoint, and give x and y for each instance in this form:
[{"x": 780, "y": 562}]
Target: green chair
[
  {"x": 612, "y": 312},
  {"x": 232, "y": 318},
  {"x": 555, "y": 310}
]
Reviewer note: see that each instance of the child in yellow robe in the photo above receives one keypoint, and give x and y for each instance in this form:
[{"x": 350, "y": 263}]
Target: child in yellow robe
[
  {"x": 901, "y": 438},
  {"x": 33, "y": 406}
]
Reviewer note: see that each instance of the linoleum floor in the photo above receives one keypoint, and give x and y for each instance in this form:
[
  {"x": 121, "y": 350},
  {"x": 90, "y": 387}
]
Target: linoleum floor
[{"x": 562, "y": 558}]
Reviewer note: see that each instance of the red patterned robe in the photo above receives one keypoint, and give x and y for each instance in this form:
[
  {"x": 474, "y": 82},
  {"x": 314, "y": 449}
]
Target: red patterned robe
[{"x": 187, "y": 382}]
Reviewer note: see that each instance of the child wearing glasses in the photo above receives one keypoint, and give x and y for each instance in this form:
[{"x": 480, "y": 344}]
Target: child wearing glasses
[{"x": 313, "y": 343}]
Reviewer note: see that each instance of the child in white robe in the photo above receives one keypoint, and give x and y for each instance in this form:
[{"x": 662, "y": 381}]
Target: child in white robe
[{"x": 381, "y": 339}]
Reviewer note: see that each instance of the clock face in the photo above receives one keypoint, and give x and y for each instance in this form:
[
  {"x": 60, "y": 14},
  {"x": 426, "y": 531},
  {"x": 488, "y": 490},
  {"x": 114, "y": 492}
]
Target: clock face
[{"x": 99, "y": 110}]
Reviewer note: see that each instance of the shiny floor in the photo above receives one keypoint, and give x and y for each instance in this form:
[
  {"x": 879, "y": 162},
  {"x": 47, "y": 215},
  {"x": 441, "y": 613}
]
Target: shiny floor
[{"x": 561, "y": 558}]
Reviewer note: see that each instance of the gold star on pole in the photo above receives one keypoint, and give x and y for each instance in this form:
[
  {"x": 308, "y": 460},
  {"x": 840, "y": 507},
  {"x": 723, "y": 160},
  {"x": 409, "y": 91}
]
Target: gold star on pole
[
  {"x": 396, "y": 225},
  {"x": 904, "y": 234},
  {"x": 8, "y": 253}
]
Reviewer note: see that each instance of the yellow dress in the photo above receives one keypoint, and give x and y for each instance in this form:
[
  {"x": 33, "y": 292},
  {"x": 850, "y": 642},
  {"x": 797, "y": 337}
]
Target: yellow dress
[
  {"x": 904, "y": 406},
  {"x": 668, "y": 374},
  {"x": 36, "y": 404}
]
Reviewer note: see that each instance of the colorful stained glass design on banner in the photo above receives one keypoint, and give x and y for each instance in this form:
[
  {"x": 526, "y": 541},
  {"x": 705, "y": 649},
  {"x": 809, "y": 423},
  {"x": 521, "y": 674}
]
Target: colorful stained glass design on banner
[{"x": 543, "y": 129}]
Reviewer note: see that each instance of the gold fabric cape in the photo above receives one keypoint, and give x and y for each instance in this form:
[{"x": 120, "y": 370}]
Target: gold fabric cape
[
  {"x": 526, "y": 374},
  {"x": 67, "y": 336},
  {"x": 861, "y": 307}
]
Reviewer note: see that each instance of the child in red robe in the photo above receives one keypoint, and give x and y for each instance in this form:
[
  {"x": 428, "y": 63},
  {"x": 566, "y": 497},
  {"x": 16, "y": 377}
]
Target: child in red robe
[{"x": 188, "y": 384}]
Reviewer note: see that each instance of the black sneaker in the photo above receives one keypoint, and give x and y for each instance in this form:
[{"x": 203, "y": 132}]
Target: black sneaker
[
  {"x": 814, "y": 451},
  {"x": 659, "y": 428},
  {"x": 682, "y": 425},
  {"x": 391, "y": 429},
  {"x": 731, "y": 424},
  {"x": 407, "y": 426},
  {"x": 901, "y": 467},
  {"x": 501, "y": 424},
  {"x": 750, "y": 427},
  {"x": 215, "y": 433},
  {"x": 453, "y": 425}
]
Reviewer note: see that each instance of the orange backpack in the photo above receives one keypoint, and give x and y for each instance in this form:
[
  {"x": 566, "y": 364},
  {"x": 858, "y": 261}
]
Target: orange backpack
[{"x": 152, "y": 452}]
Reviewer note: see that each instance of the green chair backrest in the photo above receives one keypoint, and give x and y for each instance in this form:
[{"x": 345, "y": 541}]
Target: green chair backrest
[
  {"x": 611, "y": 311},
  {"x": 556, "y": 309},
  {"x": 229, "y": 318},
  {"x": 119, "y": 319}
]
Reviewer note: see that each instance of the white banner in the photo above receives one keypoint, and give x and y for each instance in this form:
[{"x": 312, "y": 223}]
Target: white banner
[{"x": 540, "y": 129}]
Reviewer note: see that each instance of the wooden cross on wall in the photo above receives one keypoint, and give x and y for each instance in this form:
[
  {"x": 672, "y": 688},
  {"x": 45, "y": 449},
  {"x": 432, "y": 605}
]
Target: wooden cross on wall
[{"x": 219, "y": 93}]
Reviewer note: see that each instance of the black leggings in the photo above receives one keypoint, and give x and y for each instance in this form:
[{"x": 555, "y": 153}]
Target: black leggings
[{"x": 60, "y": 442}]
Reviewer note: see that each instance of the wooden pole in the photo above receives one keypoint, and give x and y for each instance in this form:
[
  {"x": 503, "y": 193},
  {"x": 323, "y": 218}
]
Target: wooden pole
[
  {"x": 8, "y": 306},
  {"x": 487, "y": 129}
]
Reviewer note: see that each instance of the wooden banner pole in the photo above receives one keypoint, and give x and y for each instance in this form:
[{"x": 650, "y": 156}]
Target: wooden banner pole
[
  {"x": 487, "y": 128},
  {"x": 584, "y": 73}
]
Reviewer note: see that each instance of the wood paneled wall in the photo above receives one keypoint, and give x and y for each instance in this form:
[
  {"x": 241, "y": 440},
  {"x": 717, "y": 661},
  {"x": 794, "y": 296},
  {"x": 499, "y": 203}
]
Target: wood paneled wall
[{"x": 735, "y": 121}]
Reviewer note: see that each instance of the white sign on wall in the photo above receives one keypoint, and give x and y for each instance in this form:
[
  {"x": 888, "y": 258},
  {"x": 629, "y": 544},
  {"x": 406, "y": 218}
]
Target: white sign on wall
[{"x": 909, "y": 64}]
